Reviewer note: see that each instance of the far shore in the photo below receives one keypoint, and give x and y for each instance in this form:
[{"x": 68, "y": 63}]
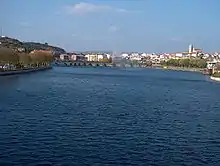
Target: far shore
[
  {"x": 174, "y": 68},
  {"x": 199, "y": 70}
]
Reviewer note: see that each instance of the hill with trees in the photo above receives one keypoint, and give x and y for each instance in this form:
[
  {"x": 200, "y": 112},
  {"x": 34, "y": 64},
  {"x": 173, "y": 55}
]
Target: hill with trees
[
  {"x": 15, "y": 54},
  {"x": 27, "y": 47}
]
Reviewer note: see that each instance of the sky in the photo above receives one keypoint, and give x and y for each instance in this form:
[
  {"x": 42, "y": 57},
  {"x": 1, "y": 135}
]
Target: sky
[{"x": 114, "y": 25}]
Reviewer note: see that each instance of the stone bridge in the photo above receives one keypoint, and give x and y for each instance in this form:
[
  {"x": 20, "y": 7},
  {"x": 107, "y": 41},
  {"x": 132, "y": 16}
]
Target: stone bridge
[
  {"x": 97, "y": 64},
  {"x": 82, "y": 64}
]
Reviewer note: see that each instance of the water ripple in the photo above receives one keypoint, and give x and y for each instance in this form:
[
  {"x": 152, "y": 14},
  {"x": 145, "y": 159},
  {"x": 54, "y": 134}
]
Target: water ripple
[{"x": 70, "y": 116}]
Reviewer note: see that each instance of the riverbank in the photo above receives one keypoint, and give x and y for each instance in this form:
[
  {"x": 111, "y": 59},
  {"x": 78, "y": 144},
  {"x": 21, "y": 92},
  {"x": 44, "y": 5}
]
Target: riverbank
[
  {"x": 198, "y": 70},
  {"x": 184, "y": 69},
  {"x": 215, "y": 78},
  {"x": 24, "y": 71}
]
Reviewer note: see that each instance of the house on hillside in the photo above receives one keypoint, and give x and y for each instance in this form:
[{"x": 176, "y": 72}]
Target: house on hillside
[
  {"x": 77, "y": 57},
  {"x": 64, "y": 57},
  {"x": 21, "y": 49},
  {"x": 41, "y": 51}
]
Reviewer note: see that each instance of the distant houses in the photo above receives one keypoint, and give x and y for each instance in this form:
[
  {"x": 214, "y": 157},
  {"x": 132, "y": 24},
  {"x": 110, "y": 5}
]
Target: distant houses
[
  {"x": 141, "y": 58},
  {"x": 64, "y": 57},
  {"x": 90, "y": 57}
]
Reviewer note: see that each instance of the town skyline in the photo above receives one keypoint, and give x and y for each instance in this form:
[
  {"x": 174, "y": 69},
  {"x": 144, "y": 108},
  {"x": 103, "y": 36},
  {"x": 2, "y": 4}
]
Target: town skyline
[{"x": 131, "y": 26}]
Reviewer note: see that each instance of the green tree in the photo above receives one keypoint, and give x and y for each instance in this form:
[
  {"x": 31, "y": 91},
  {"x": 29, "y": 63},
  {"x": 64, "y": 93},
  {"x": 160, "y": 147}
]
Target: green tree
[
  {"x": 202, "y": 63},
  {"x": 188, "y": 62}
]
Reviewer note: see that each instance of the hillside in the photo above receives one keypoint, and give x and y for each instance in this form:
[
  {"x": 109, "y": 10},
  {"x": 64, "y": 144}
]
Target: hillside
[
  {"x": 10, "y": 43},
  {"x": 28, "y": 46}
]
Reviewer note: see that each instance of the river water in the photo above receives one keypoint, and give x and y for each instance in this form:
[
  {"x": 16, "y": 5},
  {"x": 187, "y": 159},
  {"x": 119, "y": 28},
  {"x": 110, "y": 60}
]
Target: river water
[{"x": 101, "y": 116}]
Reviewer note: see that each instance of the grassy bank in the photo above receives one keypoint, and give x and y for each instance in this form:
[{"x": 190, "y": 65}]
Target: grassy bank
[
  {"x": 186, "y": 64},
  {"x": 200, "y": 70},
  {"x": 216, "y": 75}
]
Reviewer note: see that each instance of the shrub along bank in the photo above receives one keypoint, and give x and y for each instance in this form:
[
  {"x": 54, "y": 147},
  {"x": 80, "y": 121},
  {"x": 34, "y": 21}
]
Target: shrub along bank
[
  {"x": 12, "y": 60},
  {"x": 186, "y": 63}
]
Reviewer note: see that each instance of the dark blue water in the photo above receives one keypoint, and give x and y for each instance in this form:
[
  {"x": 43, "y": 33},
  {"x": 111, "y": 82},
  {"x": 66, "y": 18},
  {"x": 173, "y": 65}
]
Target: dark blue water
[{"x": 87, "y": 116}]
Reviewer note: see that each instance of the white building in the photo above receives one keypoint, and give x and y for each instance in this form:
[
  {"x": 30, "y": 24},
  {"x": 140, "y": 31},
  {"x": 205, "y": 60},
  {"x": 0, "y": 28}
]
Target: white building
[
  {"x": 162, "y": 56},
  {"x": 144, "y": 55},
  {"x": 191, "y": 49},
  {"x": 64, "y": 57},
  {"x": 137, "y": 58},
  {"x": 205, "y": 56},
  {"x": 124, "y": 55},
  {"x": 194, "y": 55},
  {"x": 97, "y": 57},
  {"x": 153, "y": 56},
  {"x": 92, "y": 57},
  {"x": 108, "y": 56},
  {"x": 101, "y": 57}
]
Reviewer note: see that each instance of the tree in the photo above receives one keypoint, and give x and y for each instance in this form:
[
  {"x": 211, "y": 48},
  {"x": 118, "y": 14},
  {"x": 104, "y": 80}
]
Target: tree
[
  {"x": 24, "y": 59},
  {"x": 217, "y": 66},
  {"x": 105, "y": 60},
  {"x": 8, "y": 56},
  {"x": 41, "y": 57},
  {"x": 186, "y": 62},
  {"x": 110, "y": 60},
  {"x": 134, "y": 62},
  {"x": 202, "y": 63},
  {"x": 189, "y": 62}
]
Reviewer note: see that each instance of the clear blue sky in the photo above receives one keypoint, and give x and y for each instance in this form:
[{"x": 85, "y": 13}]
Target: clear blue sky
[{"x": 119, "y": 25}]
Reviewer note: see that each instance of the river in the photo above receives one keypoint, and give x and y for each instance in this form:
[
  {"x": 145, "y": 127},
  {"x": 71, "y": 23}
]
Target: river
[{"x": 106, "y": 116}]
